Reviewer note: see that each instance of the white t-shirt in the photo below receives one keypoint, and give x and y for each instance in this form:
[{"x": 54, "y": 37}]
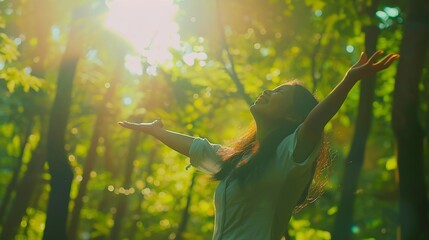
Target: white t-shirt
[{"x": 263, "y": 210}]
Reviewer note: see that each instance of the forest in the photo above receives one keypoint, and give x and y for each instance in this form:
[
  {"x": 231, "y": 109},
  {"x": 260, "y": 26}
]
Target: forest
[{"x": 71, "y": 70}]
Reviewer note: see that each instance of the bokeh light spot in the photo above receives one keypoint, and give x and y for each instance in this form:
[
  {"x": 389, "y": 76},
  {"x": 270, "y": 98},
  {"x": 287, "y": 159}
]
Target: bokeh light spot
[
  {"x": 318, "y": 13},
  {"x": 127, "y": 100}
]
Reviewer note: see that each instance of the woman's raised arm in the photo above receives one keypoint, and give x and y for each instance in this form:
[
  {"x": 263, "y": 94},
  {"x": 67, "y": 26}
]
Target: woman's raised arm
[
  {"x": 176, "y": 141},
  {"x": 312, "y": 128}
]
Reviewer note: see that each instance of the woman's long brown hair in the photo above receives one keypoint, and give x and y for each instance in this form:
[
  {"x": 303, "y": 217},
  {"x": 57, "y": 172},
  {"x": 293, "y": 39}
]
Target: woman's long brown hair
[{"x": 248, "y": 170}]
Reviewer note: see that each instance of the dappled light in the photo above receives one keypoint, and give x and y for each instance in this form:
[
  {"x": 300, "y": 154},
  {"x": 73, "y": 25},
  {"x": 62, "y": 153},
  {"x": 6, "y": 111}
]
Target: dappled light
[{"x": 148, "y": 25}]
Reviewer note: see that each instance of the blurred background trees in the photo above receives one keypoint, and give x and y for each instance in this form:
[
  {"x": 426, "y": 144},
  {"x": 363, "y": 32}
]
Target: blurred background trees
[{"x": 70, "y": 70}]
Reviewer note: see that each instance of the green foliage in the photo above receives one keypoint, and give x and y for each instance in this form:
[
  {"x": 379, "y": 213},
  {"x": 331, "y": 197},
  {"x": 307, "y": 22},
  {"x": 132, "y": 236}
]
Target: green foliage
[
  {"x": 270, "y": 42},
  {"x": 8, "y": 50},
  {"x": 12, "y": 75}
]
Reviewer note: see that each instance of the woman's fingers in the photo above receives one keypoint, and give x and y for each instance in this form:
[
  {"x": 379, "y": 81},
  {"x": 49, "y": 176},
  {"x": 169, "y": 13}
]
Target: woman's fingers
[
  {"x": 363, "y": 58},
  {"x": 386, "y": 61},
  {"x": 129, "y": 125},
  {"x": 144, "y": 127},
  {"x": 391, "y": 59},
  {"x": 364, "y": 68},
  {"x": 122, "y": 123},
  {"x": 374, "y": 56}
]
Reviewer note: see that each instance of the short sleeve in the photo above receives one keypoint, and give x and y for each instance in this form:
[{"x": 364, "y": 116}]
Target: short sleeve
[
  {"x": 203, "y": 156},
  {"x": 285, "y": 153}
]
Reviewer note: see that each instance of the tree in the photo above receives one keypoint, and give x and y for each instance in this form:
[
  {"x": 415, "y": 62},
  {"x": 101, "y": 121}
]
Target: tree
[
  {"x": 13, "y": 182},
  {"x": 256, "y": 46},
  {"x": 413, "y": 202},
  {"x": 355, "y": 158},
  {"x": 122, "y": 204},
  {"x": 185, "y": 213},
  {"x": 99, "y": 126},
  {"x": 138, "y": 211},
  {"x": 59, "y": 168}
]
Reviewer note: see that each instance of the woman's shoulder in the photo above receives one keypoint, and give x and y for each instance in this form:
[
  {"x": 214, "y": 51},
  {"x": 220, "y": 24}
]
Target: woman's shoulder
[{"x": 288, "y": 143}]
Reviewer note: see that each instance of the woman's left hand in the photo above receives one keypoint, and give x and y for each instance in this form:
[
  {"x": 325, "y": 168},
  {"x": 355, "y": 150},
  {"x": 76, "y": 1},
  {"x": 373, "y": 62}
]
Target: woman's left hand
[{"x": 366, "y": 67}]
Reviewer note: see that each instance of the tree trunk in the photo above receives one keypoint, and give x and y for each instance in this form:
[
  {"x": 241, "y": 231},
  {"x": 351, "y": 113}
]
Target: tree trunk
[
  {"x": 99, "y": 126},
  {"x": 107, "y": 199},
  {"x": 138, "y": 211},
  {"x": 109, "y": 157},
  {"x": 123, "y": 198},
  {"x": 34, "y": 202},
  {"x": 354, "y": 161},
  {"x": 15, "y": 177},
  {"x": 24, "y": 193},
  {"x": 413, "y": 201},
  {"x": 59, "y": 168},
  {"x": 185, "y": 214}
]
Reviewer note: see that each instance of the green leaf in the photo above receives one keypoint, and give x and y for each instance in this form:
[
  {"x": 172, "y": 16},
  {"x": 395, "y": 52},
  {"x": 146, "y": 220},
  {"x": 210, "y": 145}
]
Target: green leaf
[
  {"x": 14, "y": 77},
  {"x": 391, "y": 164},
  {"x": 8, "y": 49}
]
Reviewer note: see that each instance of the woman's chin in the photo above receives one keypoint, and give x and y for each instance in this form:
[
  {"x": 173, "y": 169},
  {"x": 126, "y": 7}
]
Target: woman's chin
[
  {"x": 254, "y": 109},
  {"x": 253, "y": 106}
]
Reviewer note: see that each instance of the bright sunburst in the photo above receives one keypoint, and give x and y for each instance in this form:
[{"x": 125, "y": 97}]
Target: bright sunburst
[{"x": 147, "y": 24}]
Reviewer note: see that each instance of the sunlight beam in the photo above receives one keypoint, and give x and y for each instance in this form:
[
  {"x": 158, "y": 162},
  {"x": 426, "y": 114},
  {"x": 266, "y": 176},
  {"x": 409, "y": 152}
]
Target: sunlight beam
[{"x": 148, "y": 25}]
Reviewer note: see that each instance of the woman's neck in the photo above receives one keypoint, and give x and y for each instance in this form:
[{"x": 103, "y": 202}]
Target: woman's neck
[{"x": 262, "y": 131}]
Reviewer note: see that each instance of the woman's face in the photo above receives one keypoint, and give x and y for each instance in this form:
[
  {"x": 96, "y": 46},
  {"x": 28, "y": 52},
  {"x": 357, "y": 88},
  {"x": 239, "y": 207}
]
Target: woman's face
[{"x": 273, "y": 106}]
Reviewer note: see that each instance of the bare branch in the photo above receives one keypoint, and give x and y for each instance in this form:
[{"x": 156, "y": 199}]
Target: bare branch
[{"x": 231, "y": 70}]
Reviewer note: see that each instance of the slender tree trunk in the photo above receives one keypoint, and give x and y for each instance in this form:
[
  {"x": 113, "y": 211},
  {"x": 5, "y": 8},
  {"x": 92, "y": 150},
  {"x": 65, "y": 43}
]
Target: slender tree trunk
[
  {"x": 107, "y": 199},
  {"x": 89, "y": 166},
  {"x": 59, "y": 168},
  {"x": 109, "y": 163},
  {"x": 138, "y": 211},
  {"x": 123, "y": 198},
  {"x": 26, "y": 187},
  {"x": 185, "y": 214},
  {"x": 99, "y": 126},
  {"x": 353, "y": 166},
  {"x": 413, "y": 200},
  {"x": 35, "y": 203},
  {"x": 103, "y": 208},
  {"x": 15, "y": 177},
  {"x": 24, "y": 193}
]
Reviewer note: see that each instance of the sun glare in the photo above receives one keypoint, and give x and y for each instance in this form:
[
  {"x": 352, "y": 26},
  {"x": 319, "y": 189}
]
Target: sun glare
[{"x": 148, "y": 25}]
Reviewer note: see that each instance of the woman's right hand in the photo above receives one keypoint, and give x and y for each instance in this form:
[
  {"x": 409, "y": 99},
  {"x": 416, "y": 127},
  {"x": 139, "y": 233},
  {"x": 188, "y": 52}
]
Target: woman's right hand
[
  {"x": 176, "y": 141},
  {"x": 366, "y": 67},
  {"x": 143, "y": 127}
]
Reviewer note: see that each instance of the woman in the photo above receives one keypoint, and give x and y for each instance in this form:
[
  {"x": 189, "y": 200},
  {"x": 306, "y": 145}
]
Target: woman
[{"x": 266, "y": 175}]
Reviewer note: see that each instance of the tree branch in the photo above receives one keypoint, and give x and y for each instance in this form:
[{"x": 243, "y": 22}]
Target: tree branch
[{"x": 231, "y": 70}]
